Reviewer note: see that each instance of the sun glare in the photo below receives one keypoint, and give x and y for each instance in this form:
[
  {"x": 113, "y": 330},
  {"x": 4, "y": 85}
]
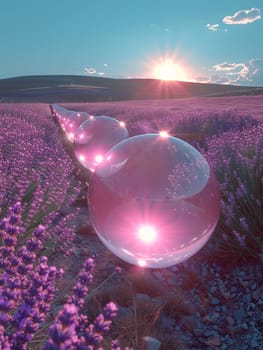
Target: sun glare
[{"x": 167, "y": 69}]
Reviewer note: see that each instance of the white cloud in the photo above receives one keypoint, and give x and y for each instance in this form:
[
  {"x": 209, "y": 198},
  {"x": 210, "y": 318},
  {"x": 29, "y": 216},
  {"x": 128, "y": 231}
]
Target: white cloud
[
  {"x": 241, "y": 73},
  {"x": 243, "y": 17},
  {"x": 256, "y": 70},
  {"x": 105, "y": 64},
  {"x": 101, "y": 73},
  {"x": 212, "y": 27},
  {"x": 90, "y": 70},
  {"x": 230, "y": 68}
]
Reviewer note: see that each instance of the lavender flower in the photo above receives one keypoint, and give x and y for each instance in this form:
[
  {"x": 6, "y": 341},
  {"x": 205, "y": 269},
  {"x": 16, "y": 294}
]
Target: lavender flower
[
  {"x": 72, "y": 330},
  {"x": 26, "y": 286}
]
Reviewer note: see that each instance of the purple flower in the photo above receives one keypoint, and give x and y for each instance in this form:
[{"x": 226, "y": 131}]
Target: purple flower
[
  {"x": 34, "y": 245},
  {"x": 17, "y": 208},
  {"x": 118, "y": 269},
  {"x": 82, "y": 323},
  {"x": 6, "y": 252},
  {"x": 68, "y": 315},
  {"x": 12, "y": 230},
  {"x": 3, "y": 224},
  {"x": 85, "y": 277},
  {"x": 91, "y": 337},
  {"x": 14, "y": 219},
  {"x": 9, "y": 241},
  {"x": 115, "y": 345},
  {"x": 62, "y": 333},
  {"x": 43, "y": 259},
  {"x": 88, "y": 265},
  {"x": 101, "y": 325},
  {"x": 24, "y": 269},
  {"x": 4, "y": 341},
  {"x": 39, "y": 232},
  {"x": 80, "y": 290},
  {"x": 23, "y": 311},
  {"x": 110, "y": 311},
  {"x": 5, "y": 319},
  {"x": 4, "y": 305}
]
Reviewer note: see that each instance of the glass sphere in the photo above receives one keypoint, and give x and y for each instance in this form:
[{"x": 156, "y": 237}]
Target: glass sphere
[
  {"x": 58, "y": 112},
  {"x": 154, "y": 201},
  {"x": 95, "y": 137},
  {"x": 73, "y": 123},
  {"x": 68, "y": 122},
  {"x": 63, "y": 115}
]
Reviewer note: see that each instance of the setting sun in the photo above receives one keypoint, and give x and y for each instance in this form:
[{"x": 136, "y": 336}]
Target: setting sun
[{"x": 169, "y": 70}]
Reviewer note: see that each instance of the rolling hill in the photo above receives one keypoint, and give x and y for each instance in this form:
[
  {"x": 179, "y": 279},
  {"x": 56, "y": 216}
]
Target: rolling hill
[{"x": 73, "y": 88}]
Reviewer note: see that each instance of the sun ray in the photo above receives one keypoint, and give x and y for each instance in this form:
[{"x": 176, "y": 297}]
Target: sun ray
[{"x": 168, "y": 69}]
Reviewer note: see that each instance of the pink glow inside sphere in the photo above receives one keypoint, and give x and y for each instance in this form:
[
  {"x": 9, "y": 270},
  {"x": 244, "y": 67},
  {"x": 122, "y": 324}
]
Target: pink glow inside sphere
[
  {"x": 59, "y": 112},
  {"x": 73, "y": 123},
  {"x": 95, "y": 137},
  {"x": 68, "y": 123},
  {"x": 154, "y": 201}
]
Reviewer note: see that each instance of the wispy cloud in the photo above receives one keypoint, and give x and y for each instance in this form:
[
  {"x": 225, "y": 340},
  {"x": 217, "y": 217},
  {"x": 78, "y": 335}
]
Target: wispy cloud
[
  {"x": 90, "y": 70},
  {"x": 212, "y": 27},
  {"x": 93, "y": 71},
  {"x": 105, "y": 65},
  {"x": 256, "y": 71},
  {"x": 243, "y": 17}
]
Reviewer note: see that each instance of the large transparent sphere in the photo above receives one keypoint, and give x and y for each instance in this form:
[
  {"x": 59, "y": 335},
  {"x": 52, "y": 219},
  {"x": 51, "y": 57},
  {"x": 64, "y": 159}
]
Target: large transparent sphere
[
  {"x": 154, "y": 201},
  {"x": 95, "y": 137}
]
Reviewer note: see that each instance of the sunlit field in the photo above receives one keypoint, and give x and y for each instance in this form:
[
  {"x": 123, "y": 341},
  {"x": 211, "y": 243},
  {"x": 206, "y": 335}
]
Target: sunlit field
[{"x": 60, "y": 288}]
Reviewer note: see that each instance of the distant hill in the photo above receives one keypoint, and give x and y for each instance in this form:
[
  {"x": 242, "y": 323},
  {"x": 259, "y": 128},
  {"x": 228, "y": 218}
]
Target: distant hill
[{"x": 73, "y": 88}]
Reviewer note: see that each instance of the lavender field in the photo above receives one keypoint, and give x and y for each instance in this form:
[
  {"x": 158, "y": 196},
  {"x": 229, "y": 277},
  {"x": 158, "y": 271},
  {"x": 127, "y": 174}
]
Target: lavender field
[{"x": 61, "y": 289}]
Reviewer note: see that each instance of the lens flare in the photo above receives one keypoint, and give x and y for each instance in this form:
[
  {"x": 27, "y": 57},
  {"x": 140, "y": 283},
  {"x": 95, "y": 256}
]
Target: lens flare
[
  {"x": 82, "y": 157},
  {"x": 147, "y": 233},
  {"x": 164, "y": 133},
  {"x": 141, "y": 263},
  {"x": 99, "y": 158}
]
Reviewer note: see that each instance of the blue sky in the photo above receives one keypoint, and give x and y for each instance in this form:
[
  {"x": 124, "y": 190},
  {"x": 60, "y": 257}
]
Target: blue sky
[{"x": 210, "y": 40}]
